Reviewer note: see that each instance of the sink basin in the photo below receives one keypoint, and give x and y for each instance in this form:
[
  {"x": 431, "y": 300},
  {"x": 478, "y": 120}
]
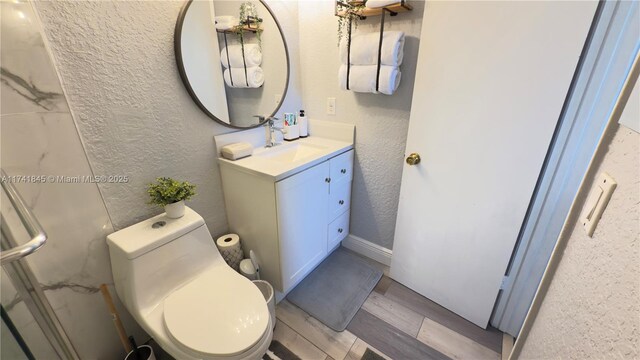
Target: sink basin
[
  {"x": 291, "y": 153},
  {"x": 287, "y": 158}
]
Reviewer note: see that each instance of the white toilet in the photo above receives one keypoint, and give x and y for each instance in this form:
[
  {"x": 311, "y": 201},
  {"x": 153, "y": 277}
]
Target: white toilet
[{"x": 172, "y": 279}]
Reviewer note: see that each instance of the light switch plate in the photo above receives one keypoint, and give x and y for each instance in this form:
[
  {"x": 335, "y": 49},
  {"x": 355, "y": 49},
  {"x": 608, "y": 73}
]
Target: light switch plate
[
  {"x": 331, "y": 106},
  {"x": 596, "y": 202}
]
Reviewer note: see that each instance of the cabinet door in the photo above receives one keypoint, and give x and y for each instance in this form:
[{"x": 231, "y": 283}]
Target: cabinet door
[{"x": 302, "y": 222}]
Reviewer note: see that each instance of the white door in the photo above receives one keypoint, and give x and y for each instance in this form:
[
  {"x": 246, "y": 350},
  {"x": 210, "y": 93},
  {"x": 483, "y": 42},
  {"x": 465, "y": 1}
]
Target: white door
[{"x": 490, "y": 84}]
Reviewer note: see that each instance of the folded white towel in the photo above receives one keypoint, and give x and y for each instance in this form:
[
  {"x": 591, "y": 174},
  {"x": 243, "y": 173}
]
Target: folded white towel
[
  {"x": 254, "y": 79},
  {"x": 252, "y": 55},
  {"x": 226, "y": 22},
  {"x": 362, "y": 78},
  {"x": 375, "y": 4},
  {"x": 225, "y": 26},
  {"x": 364, "y": 49}
]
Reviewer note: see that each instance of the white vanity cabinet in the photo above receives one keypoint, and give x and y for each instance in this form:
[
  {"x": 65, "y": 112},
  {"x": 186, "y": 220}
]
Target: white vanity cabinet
[{"x": 294, "y": 223}]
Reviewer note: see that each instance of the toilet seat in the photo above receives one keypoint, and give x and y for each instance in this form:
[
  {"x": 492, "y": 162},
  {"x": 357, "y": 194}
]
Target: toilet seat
[{"x": 220, "y": 313}]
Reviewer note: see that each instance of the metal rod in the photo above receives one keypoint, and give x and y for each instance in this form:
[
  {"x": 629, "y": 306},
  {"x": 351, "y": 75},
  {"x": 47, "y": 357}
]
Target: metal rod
[
  {"x": 31, "y": 224},
  {"x": 226, "y": 50},
  {"x": 244, "y": 61},
  {"x": 16, "y": 334},
  {"x": 32, "y": 294},
  {"x": 349, "y": 53},
  {"x": 380, "y": 50}
]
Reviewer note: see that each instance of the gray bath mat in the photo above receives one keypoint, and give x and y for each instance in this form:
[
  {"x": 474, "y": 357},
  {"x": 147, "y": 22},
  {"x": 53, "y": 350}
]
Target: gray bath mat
[{"x": 336, "y": 289}]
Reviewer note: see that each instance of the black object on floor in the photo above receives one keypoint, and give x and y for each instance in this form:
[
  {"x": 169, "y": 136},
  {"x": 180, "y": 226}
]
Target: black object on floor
[
  {"x": 371, "y": 355},
  {"x": 277, "y": 351}
]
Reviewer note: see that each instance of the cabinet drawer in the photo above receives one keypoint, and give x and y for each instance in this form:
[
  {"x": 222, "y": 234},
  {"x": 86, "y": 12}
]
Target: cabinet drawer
[
  {"x": 338, "y": 230},
  {"x": 339, "y": 198},
  {"x": 342, "y": 167}
]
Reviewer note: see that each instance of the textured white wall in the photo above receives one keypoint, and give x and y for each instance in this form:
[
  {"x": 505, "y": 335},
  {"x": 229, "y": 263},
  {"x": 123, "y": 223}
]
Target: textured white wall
[
  {"x": 381, "y": 121},
  {"x": 592, "y": 307},
  {"x": 118, "y": 69},
  {"x": 117, "y": 65},
  {"x": 287, "y": 13}
]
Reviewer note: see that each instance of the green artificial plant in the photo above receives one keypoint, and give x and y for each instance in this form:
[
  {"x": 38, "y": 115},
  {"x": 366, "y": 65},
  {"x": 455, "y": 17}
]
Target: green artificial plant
[
  {"x": 168, "y": 191},
  {"x": 349, "y": 13},
  {"x": 249, "y": 16}
]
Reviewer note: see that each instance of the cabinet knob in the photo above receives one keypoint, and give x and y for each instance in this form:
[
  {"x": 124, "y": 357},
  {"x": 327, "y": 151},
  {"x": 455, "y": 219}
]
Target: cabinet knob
[
  {"x": 344, "y": 171},
  {"x": 327, "y": 180},
  {"x": 340, "y": 230},
  {"x": 341, "y": 202}
]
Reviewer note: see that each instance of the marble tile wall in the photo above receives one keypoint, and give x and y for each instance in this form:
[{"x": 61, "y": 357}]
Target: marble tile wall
[{"x": 39, "y": 137}]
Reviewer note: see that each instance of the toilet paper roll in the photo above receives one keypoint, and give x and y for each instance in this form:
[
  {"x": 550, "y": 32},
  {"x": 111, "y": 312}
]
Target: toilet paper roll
[{"x": 230, "y": 249}]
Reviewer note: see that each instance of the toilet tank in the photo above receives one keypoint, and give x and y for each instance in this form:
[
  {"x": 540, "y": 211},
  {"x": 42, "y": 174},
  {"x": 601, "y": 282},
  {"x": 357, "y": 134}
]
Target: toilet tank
[{"x": 151, "y": 259}]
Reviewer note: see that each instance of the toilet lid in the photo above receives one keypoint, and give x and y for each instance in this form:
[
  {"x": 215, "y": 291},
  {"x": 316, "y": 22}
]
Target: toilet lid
[{"x": 219, "y": 313}]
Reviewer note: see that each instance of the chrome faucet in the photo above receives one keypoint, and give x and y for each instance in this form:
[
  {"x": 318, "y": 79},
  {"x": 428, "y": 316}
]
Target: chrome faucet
[{"x": 271, "y": 128}]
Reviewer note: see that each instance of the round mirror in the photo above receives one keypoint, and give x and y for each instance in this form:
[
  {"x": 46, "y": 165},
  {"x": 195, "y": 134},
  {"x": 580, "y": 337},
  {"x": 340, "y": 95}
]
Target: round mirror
[{"x": 233, "y": 60}]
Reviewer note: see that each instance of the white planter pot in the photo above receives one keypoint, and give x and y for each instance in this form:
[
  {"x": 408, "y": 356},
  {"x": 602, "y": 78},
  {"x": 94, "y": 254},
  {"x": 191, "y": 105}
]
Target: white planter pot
[{"x": 175, "y": 210}]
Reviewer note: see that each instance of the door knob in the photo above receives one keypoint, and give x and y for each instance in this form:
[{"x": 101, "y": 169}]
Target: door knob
[
  {"x": 341, "y": 202},
  {"x": 413, "y": 159}
]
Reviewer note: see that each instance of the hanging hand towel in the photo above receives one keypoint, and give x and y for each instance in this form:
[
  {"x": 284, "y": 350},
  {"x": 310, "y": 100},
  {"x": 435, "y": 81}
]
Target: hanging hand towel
[
  {"x": 362, "y": 78},
  {"x": 376, "y": 4},
  {"x": 364, "y": 49},
  {"x": 254, "y": 79},
  {"x": 252, "y": 56}
]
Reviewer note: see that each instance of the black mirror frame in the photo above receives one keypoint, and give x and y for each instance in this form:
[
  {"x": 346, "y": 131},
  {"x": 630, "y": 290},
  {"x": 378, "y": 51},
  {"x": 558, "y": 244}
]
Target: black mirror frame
[{"x": 177, "y": 46}]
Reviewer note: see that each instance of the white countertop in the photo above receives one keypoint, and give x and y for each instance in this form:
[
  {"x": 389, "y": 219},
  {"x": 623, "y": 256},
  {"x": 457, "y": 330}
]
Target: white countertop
[{"x": 288, "y": 157}]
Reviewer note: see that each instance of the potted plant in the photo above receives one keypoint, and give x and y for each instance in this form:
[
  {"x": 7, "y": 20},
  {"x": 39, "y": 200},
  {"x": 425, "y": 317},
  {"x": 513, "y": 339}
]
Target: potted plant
[
  {"x": 171, "y": 194},
  {"x": 249, "y": 16},
  {"x": 348, "y": 12}
]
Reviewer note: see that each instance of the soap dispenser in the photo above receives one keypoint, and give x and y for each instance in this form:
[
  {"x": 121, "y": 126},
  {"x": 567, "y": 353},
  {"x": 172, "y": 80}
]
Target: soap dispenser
[{"x": 303, "y": 125}]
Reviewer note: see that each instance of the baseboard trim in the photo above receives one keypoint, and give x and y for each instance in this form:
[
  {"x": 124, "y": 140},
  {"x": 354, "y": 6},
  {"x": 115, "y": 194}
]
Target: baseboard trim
[{"x": 368, "y": 249}]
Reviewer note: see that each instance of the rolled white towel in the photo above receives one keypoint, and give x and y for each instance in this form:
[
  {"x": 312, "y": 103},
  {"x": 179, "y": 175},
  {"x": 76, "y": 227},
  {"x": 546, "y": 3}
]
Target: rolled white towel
[
  {"x": 375, "y": 4},
  {"x": 225, "y": 22},
  {"x": 254, "y": 79},
  {"x": 252, "y": 55},
  {"x": 362, "y": 78},
  {"x": 364, "y": 49}
]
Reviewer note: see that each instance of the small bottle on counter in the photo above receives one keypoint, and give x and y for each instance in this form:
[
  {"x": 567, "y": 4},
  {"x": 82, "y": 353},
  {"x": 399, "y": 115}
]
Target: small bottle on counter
[{"x": 303, "y": 124}]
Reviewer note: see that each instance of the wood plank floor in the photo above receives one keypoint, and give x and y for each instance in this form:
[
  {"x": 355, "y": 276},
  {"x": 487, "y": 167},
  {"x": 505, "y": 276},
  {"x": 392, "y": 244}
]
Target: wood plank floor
[{"x": 394, "y": 322}]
